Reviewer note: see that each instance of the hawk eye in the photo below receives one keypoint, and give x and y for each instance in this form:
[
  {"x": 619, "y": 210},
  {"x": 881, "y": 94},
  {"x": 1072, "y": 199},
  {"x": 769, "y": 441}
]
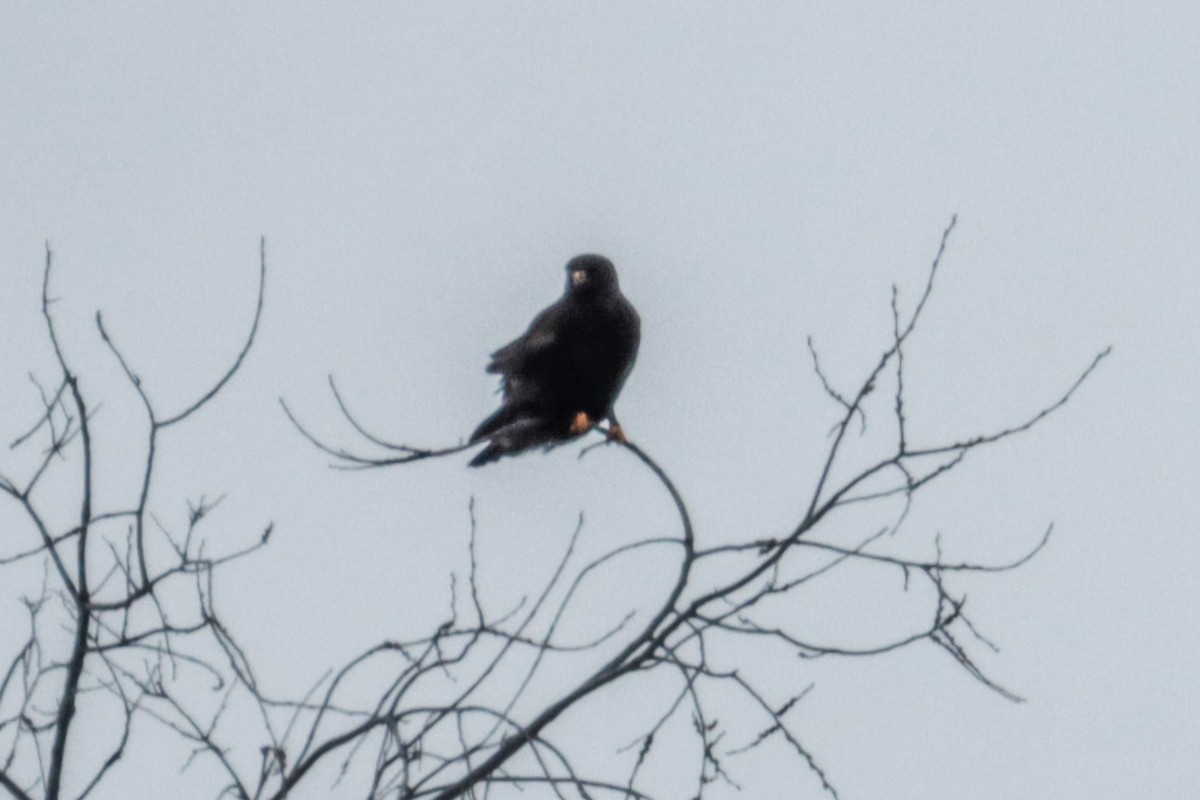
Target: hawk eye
[{"x": 578, "y": 276}]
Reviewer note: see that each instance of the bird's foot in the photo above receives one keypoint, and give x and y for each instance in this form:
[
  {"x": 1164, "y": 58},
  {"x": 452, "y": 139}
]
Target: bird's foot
[
  {"x": 615, "y": 433},
  {"x": 582, "y": 423}
]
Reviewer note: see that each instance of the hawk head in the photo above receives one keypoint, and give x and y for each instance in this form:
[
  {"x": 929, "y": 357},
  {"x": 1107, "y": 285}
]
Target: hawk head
[{"x": 590, "y": 274}]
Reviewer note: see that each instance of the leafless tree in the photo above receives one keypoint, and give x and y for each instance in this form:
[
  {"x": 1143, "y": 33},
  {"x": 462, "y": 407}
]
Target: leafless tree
[
  {"x": 133, "y": 595},
  {"x": 461, "y": 710}
]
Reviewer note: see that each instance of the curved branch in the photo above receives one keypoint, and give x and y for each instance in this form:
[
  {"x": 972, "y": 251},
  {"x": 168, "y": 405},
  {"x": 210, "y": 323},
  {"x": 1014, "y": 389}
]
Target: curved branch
[
  {"x": 211, "y": 393},
  {"x": 352, "y": 461},
  {"x": 631, "y": 657}
]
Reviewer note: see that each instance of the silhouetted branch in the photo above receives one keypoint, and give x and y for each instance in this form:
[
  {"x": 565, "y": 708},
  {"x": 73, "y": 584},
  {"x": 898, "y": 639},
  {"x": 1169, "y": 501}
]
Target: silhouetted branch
[
  {"x": 458, "y": 709},
  {"x": 241, "y": 356},
  {"x": 346, "y": 459},
  {"x": 121, "y": 632}
]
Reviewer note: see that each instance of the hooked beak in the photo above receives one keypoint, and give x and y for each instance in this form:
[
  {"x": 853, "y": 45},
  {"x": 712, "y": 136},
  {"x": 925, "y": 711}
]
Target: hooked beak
[{"x": 578, "y": 276}]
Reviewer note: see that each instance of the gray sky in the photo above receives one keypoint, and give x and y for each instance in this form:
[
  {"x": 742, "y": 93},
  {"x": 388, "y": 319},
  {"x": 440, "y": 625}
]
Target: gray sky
[{"x": 759, "y": 172}]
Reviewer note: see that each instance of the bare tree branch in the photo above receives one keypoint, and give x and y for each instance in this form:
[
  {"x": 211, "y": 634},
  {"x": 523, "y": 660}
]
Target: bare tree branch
[{"x": 462, "y": 709}]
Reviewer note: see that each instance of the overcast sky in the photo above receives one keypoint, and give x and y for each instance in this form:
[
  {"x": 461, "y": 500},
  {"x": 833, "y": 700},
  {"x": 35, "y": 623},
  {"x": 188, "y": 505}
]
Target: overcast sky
[{"x": 759, "y": 172}]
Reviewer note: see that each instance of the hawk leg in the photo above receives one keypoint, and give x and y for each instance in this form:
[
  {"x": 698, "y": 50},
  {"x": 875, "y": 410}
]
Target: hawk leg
[{"x": 581, "y": 423}]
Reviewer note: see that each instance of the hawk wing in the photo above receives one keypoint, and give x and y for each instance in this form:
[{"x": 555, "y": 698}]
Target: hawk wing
[
  {"x": 518, "y": 363},
  {"x": 522, "y": 355}
]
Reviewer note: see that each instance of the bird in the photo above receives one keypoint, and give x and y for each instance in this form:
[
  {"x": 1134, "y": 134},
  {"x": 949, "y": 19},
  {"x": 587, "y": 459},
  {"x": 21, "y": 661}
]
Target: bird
[{"x": 562, "y": 376}]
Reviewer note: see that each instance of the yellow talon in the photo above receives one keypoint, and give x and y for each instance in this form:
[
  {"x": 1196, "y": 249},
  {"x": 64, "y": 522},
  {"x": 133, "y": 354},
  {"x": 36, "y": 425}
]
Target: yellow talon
[{"x": 581, "y": 423}]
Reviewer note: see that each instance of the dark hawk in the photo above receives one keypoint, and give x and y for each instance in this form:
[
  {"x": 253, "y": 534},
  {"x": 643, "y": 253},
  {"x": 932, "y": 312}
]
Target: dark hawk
[{"x": 563, "y": 375}]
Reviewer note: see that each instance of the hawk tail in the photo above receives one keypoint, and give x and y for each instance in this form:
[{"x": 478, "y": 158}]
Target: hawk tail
[
  {"x": 495, "y": 422},
  {"x": 487, "y": 455}
]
